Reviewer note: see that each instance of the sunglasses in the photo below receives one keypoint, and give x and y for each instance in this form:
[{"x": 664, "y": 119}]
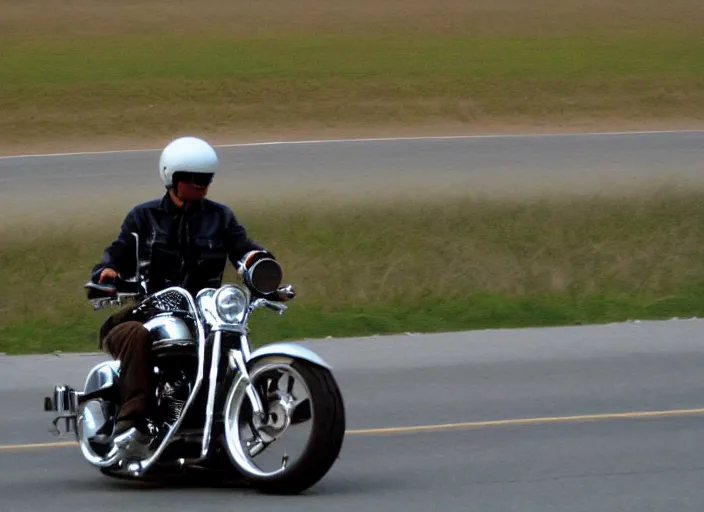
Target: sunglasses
[{"x": 195, "y": 178}]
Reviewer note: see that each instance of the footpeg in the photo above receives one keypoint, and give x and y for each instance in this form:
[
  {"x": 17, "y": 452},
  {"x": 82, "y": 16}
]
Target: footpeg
[{"x": 65, "y": 402}]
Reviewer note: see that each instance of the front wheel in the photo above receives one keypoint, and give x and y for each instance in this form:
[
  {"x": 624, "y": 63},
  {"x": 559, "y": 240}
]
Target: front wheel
[{"x": 297, "y": 396}]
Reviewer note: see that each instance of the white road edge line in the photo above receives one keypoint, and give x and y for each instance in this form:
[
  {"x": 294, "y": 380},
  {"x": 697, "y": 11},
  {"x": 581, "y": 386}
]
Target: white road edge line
[{"x": 381, "y": 139}]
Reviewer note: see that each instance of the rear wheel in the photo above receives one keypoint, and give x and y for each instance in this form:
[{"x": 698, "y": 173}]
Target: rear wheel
[{"x": 297, "y": 396}]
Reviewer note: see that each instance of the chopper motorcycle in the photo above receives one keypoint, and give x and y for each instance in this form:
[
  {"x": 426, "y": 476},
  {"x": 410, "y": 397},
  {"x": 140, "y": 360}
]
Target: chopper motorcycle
[{"x": 219, "y": 407}]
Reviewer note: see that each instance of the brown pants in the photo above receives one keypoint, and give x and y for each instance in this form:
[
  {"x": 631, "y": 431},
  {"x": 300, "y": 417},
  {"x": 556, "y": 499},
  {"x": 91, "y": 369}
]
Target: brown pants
[{"x": 130, "y": 343}]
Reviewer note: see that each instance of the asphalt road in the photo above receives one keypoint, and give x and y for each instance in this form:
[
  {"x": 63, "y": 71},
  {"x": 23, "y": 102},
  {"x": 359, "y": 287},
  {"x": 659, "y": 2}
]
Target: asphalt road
[
  {"x": 506, "y": 165},
  {"x": 599, "y": 463}
]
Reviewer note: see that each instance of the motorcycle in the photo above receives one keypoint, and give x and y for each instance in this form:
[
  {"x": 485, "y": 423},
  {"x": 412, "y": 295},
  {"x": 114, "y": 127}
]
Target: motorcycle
[{"x": 218, "y": 407}]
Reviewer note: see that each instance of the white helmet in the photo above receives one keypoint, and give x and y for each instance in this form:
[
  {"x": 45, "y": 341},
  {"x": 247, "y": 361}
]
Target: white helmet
[{"x": 187, "y": 154}]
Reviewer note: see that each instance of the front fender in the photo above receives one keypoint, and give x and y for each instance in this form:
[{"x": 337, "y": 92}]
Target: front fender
[{"x": 290, "y": 350}]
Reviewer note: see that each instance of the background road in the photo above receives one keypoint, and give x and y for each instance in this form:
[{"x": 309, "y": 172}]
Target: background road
[
  {"x": 505, "y": 165},
  {"x": 405, "y": 381}
]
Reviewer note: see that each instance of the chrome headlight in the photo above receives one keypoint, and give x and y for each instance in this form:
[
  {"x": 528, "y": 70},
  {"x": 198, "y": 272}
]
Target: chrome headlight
[{"x": 231, "y": 304}]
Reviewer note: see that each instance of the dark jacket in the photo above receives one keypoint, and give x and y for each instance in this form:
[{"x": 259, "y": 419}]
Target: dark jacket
[{"x": 177, "y": 248}]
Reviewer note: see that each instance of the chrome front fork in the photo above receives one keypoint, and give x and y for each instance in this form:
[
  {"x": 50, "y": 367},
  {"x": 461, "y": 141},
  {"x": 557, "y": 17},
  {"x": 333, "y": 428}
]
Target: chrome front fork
[
  {"x": 212, "y": 386},
  {"x": 237, "y": 360}
]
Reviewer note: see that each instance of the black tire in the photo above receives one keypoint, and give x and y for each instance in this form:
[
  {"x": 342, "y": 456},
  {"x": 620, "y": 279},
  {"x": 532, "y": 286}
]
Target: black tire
[{"x": 326, "y": 438}]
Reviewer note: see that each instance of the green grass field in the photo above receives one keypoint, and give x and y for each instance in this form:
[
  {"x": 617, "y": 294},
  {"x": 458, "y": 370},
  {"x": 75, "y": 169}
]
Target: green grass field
[
  {"x": 434, "y": 266},
  {"x": 96, "y": 70}
]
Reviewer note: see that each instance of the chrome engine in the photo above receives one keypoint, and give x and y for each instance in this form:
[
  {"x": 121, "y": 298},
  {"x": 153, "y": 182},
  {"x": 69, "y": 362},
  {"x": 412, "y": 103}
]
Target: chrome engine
[{"x": 171, "y": 393}]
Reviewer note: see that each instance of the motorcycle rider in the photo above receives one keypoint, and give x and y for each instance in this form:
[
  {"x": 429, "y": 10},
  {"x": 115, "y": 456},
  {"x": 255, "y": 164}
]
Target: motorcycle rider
[{"x": 184, "y": 240}]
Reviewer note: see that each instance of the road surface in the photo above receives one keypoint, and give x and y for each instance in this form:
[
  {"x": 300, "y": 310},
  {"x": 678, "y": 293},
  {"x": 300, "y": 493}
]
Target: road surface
[
  {"x": 316, "y": 171},
  {"x": 550, "y": 461}
]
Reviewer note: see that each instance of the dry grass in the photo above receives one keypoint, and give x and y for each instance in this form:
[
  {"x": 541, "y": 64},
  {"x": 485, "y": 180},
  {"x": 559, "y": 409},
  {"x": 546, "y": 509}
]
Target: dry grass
[
  {"x": 101, "y": 69},
  {"x": 29, "y": 19},
  {"x": 425, "y": 266},
  {"x": 402, "y": 252}
]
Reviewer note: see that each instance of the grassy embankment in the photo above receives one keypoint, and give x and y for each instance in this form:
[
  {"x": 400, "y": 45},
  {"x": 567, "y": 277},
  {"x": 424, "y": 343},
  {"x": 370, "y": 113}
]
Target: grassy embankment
[{"x": 418, "y": 267}]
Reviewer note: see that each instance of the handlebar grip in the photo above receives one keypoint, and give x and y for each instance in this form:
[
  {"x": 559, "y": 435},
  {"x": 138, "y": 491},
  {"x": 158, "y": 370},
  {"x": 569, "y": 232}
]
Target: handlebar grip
[
  {"x": 97, "y": 291},
  {"x": 279, "y": 308}
]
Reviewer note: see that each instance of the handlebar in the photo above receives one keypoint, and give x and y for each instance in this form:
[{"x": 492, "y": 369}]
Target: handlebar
[
  {"x": 284, "y": 293},
  {"x": 274, "y": 306},
  {"x": 112, "y": 292},
  {"x": 115, "y": 291}
]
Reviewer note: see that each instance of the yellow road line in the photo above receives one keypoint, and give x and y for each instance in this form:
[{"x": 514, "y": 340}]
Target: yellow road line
[
  {"x": 528, "y": 421},
  {"x": 448, "y": 426},
  {"x": 17, "y": 447}
]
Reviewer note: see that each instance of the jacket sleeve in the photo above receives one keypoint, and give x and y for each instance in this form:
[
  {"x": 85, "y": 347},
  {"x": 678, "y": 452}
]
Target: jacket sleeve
[
  {"x": 120, "y": 255},
  {"x": 237, "y": 241}
]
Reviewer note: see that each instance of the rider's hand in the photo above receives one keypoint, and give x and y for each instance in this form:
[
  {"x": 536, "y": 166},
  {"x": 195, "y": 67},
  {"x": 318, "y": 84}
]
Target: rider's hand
[{"x": 107, "y": 273}]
